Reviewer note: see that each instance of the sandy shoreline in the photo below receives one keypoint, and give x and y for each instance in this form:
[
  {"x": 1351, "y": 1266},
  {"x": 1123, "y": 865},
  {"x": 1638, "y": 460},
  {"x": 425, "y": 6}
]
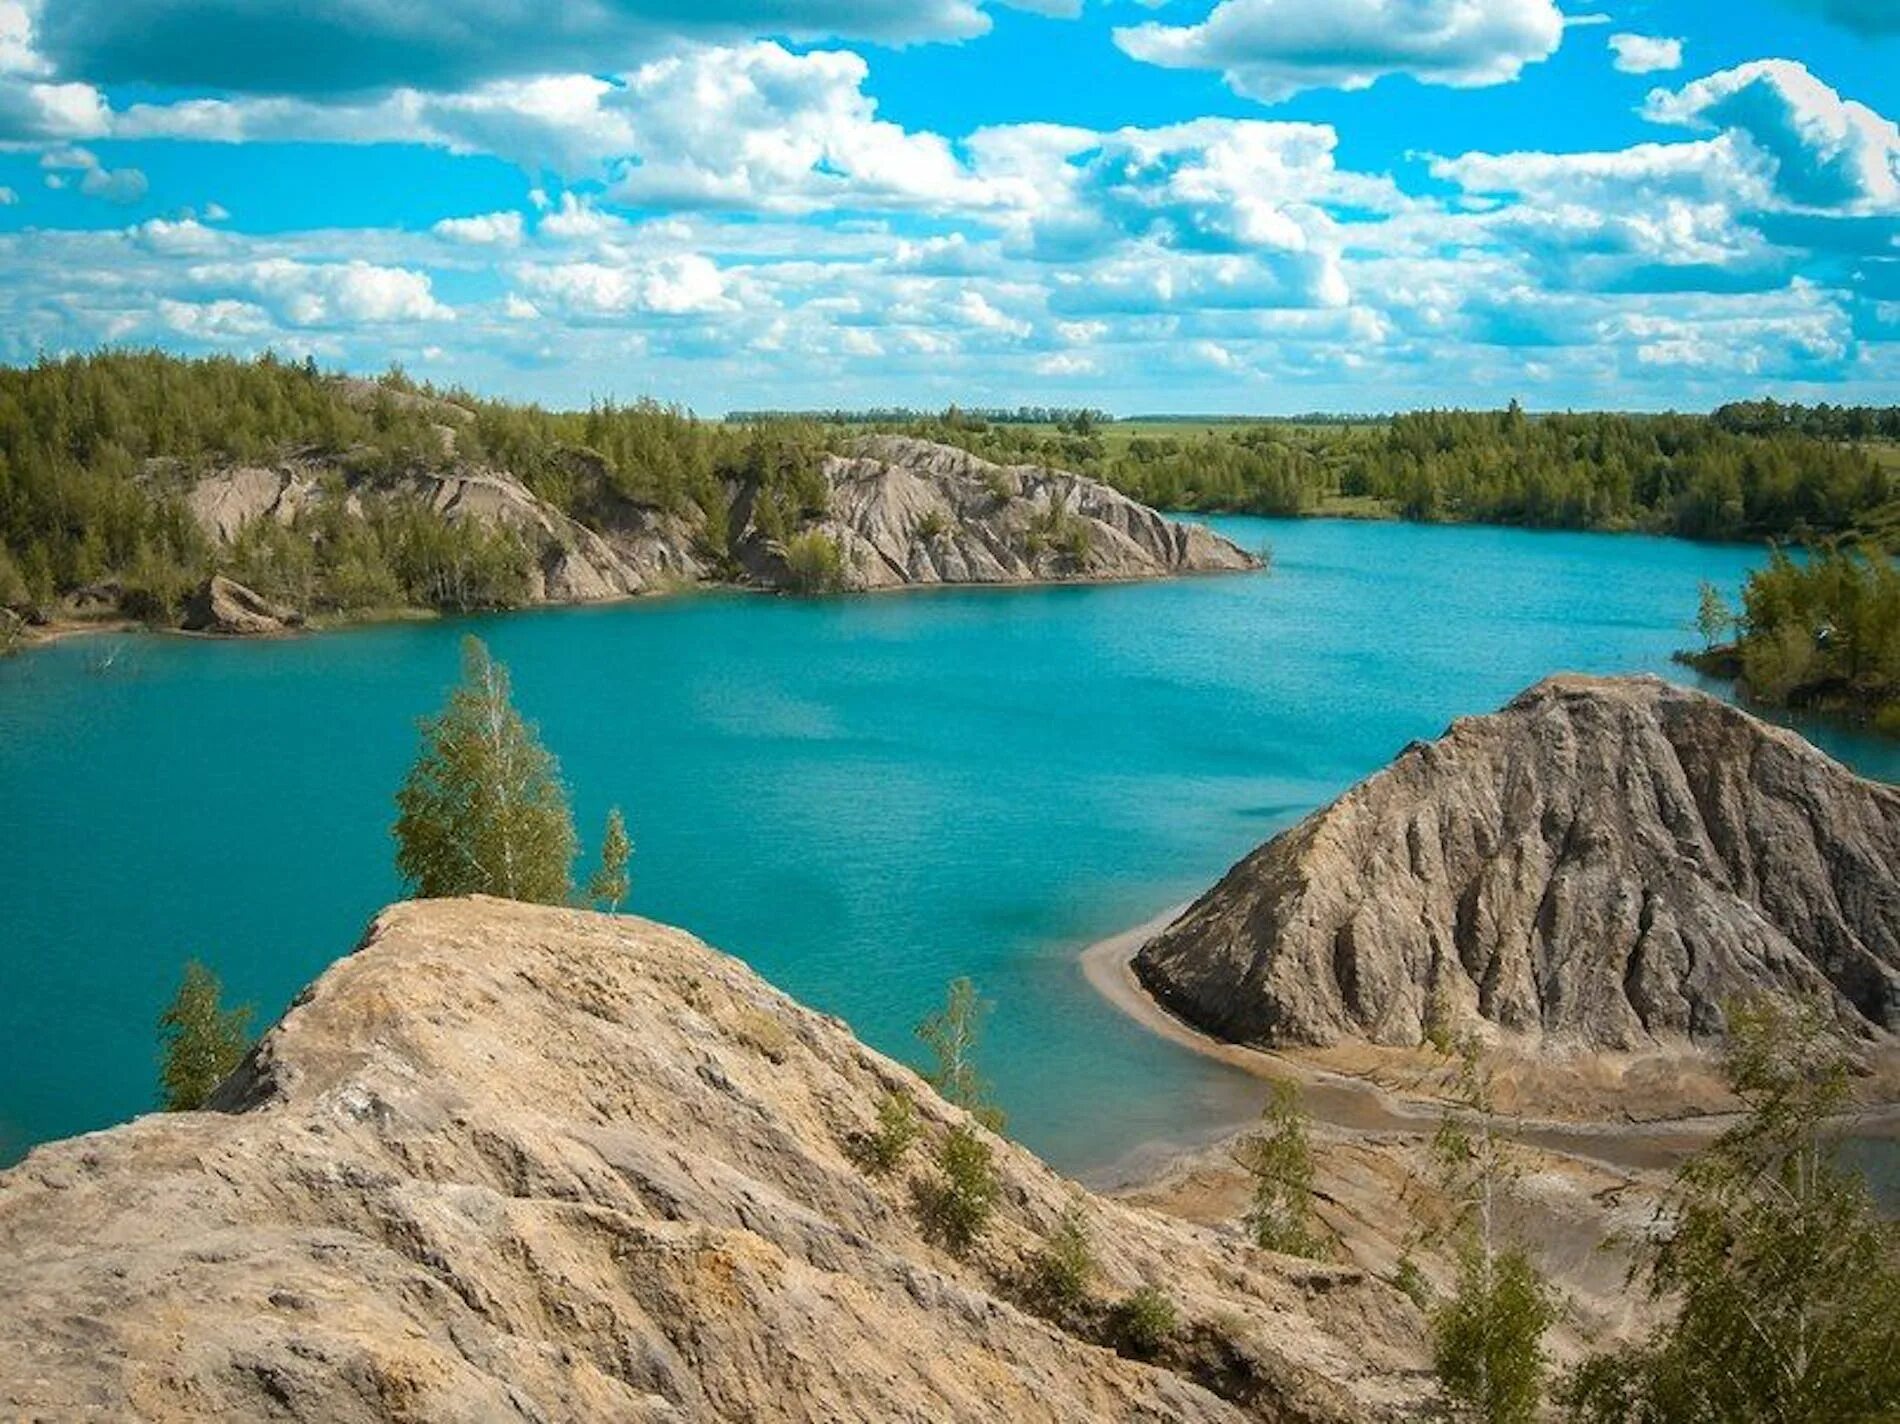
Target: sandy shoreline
[{"x": 1357, "y": 1105}]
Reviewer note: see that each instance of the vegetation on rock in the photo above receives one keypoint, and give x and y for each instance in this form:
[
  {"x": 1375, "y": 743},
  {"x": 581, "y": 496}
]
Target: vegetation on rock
[
  {"x": 955, "y": 1205},
  {"x": 609, "y": 884},
  {"x": 1279, "y": 1158},
  {"x": 953, "y": 1034}
]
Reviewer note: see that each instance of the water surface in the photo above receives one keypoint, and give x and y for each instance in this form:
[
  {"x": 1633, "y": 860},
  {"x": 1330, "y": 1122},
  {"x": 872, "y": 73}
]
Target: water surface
[{"x": 862, "y": 797}]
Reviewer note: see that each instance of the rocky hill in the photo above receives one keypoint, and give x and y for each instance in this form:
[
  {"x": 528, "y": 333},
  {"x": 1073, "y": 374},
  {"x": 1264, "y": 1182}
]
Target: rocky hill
[
  {"x": 508, "y": 1162},
  {"x": 892, "y": 512},
  {"x": 1602, "y": 864}
]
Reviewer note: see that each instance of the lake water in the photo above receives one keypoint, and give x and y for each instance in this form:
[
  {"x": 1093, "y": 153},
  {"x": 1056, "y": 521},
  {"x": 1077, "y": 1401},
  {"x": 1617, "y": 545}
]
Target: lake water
[{"x": 861, "y": 797}]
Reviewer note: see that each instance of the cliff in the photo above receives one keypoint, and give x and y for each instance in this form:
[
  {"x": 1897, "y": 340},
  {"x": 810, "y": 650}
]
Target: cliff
[
  {"x": 511, "y": 1162},
  {"x": 897, "y": 512},
  {"x": 1601, "y": 864}
]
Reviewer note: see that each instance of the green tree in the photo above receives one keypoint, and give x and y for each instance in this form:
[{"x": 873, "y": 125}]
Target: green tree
[
  {"x": 953, "y": 1034},
  {"x": 1713, "y": 618},
  {"x": 483, "y": 811},
  {"x": 200, "y": 1040},
  {"x": 1280, "y": 1160},
  {"x": 1061, "y": 1273},
  {"x": 1787, "y": 1277},
  {"x": 608, "y": 887},
  {"x": 957, "y": 1205},
  {"x": 880, "y": 1151},
  {"x": 1487, "y": 1337}
]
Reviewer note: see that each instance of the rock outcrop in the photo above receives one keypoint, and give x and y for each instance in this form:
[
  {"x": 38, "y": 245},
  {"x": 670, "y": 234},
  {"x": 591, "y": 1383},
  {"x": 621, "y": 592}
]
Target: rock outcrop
[
  {"x": 507, "y": 1162},
  {"x": 905, "y": 511},
  {"x": 900, "y": 512},
  {"x": 1601, "y": 864},
  {"x": 225, "y": 607}
]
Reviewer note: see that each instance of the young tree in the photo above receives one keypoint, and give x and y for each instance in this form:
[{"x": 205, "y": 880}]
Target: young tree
[
  {"x": 1713, "y": 618},
  {"x": 957, "y": 1205},
  {"x": 1280, "y": 1159},
  {"x": 608, "y": 887},
  {"x": 1487, "y": 1338},
  {"x": 1787, "y": 1276},
  {"x": 952, "y": 1035},
  {"x": 483, "y": 811},
  {"x": 1061, "y": 1273},
  {"x": 200, "y": 1040}
]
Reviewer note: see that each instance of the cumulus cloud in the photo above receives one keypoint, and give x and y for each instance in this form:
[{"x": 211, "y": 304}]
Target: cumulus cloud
[
  {"x": 33, "y": 108},
  {"x": 82, "y": 168},
  {"x": 1644, "y": 54},
  {"x": 483, "y": 230},
  {"x": 1271, "y": 50},
  {"x": 666, "y": 286},
  {"x": 1824, "y": 151},
  {"x": 337, "y": 47},
  {"x": 308, "y": 294}
]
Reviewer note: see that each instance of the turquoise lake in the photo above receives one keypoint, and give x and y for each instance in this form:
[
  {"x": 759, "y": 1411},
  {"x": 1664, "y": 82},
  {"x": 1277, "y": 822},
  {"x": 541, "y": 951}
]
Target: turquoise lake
[{"x": 861, "y": 797}]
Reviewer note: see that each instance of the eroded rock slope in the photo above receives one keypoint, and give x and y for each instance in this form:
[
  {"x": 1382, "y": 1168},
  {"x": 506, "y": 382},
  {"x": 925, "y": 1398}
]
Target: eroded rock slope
[
  {"x": 1603, "y": 863},
  {"x": 519, "y": 1163}
]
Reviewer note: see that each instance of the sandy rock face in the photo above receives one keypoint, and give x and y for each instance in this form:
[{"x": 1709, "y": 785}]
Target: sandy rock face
[
  {"x": 224, "y": 606},
  {"x": 906, "y": 511},
  {"x": 1600, "y": 864},
  {"x": 520, "y": 1163}
]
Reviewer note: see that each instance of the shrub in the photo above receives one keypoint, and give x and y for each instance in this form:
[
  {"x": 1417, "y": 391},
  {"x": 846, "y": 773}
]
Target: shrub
[
  {"x": 202, "y": 1041},
  {"x": 1487, "y": 1339},
  {"x": 1062, "y": 1271},
  {"x": 814, "y": 563},
  {"x": 1143, "y": 1322},
  {"x": 1281, "y": 1161},
  {"x": 933, "y": 526},
  {"x": 957, "y": 1206},
  {"x": 897, "y": 1127}
]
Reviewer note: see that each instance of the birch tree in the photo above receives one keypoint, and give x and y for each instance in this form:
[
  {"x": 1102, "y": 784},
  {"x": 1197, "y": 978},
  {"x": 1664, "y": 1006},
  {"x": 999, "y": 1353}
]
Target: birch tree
[{"x": 483, "y": 811}]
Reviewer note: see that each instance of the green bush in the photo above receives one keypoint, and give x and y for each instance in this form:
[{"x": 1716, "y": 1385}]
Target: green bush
[
  {"x": 1061, "y": 1273},
  {"x": 1487, "y": 1339},
  {"x": 956, "y": 1206},
  {"x": 897, "y": 1128},
  {"x": 1143, "y": 1323},
  {"x": 814, "y": 563}
]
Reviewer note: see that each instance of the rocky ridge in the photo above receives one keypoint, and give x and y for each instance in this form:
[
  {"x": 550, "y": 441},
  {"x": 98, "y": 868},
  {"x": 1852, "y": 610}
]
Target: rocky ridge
[
  {"x": 900, "y": 512},
  {"x": 1600, "y": 865},
  {"x": 513, "y": 1162}
]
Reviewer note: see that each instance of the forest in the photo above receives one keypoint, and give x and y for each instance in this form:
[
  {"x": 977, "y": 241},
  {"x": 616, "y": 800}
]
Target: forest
[
  {"x": 97, "y": 454},
  {"x": 1747, "y": 472}
]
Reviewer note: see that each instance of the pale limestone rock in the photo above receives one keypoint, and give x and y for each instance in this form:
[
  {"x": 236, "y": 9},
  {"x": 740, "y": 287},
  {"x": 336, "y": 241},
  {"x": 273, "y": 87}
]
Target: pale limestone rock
[
  {"x": 1601, "y": 864},
  {"x": 510, "y": 1162}
]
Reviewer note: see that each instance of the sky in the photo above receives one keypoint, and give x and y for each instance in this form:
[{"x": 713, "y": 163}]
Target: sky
[{"x": 1207, "y": 206}]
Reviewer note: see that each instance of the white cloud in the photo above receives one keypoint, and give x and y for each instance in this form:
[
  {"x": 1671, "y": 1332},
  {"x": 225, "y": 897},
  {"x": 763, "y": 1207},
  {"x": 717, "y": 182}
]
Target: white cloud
[
  {"x": 1825, "y": 152},
  {"x": 305, "y": 294},
  {"x": 666, "y": 286},
  {"x": 1271, "y": 50},
  {"x": 95, "y": 180},
  {"x": 501, "y": 229},
  {"x": 1644, "y": 54}
]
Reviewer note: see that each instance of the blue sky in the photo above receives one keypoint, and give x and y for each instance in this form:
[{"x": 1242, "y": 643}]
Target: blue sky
[{"x": 1147, "y": 205}]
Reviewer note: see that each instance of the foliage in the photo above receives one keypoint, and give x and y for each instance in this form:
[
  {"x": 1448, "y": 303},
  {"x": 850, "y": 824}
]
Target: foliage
[
  {"x": 1824, "y": 633},
  {"x": 897, "y": 1128},
  {"x": 1680, "y": 474},
  {"x": 201, "y": 1040},
  {"x": 814, "y": 563},
  {"x": 1143, "y": 1322},
  {"x": 1487, "y": 1337},
  {"x": 1280, "y": 1160},
  {"x": 956, "y": 1205},
  {"x": 1786, "y": 1277},
  {"x": 1713, "y": 618},
  {"x": 1487, "y": 1340},
  {"x": 953, "y": 1035},
  {"x": 608, "y": 887},
  {"x": 1410, "y": 1282},
  {"x": 483, "y": 810},
  {"x": 1064, "y": 1269}
]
